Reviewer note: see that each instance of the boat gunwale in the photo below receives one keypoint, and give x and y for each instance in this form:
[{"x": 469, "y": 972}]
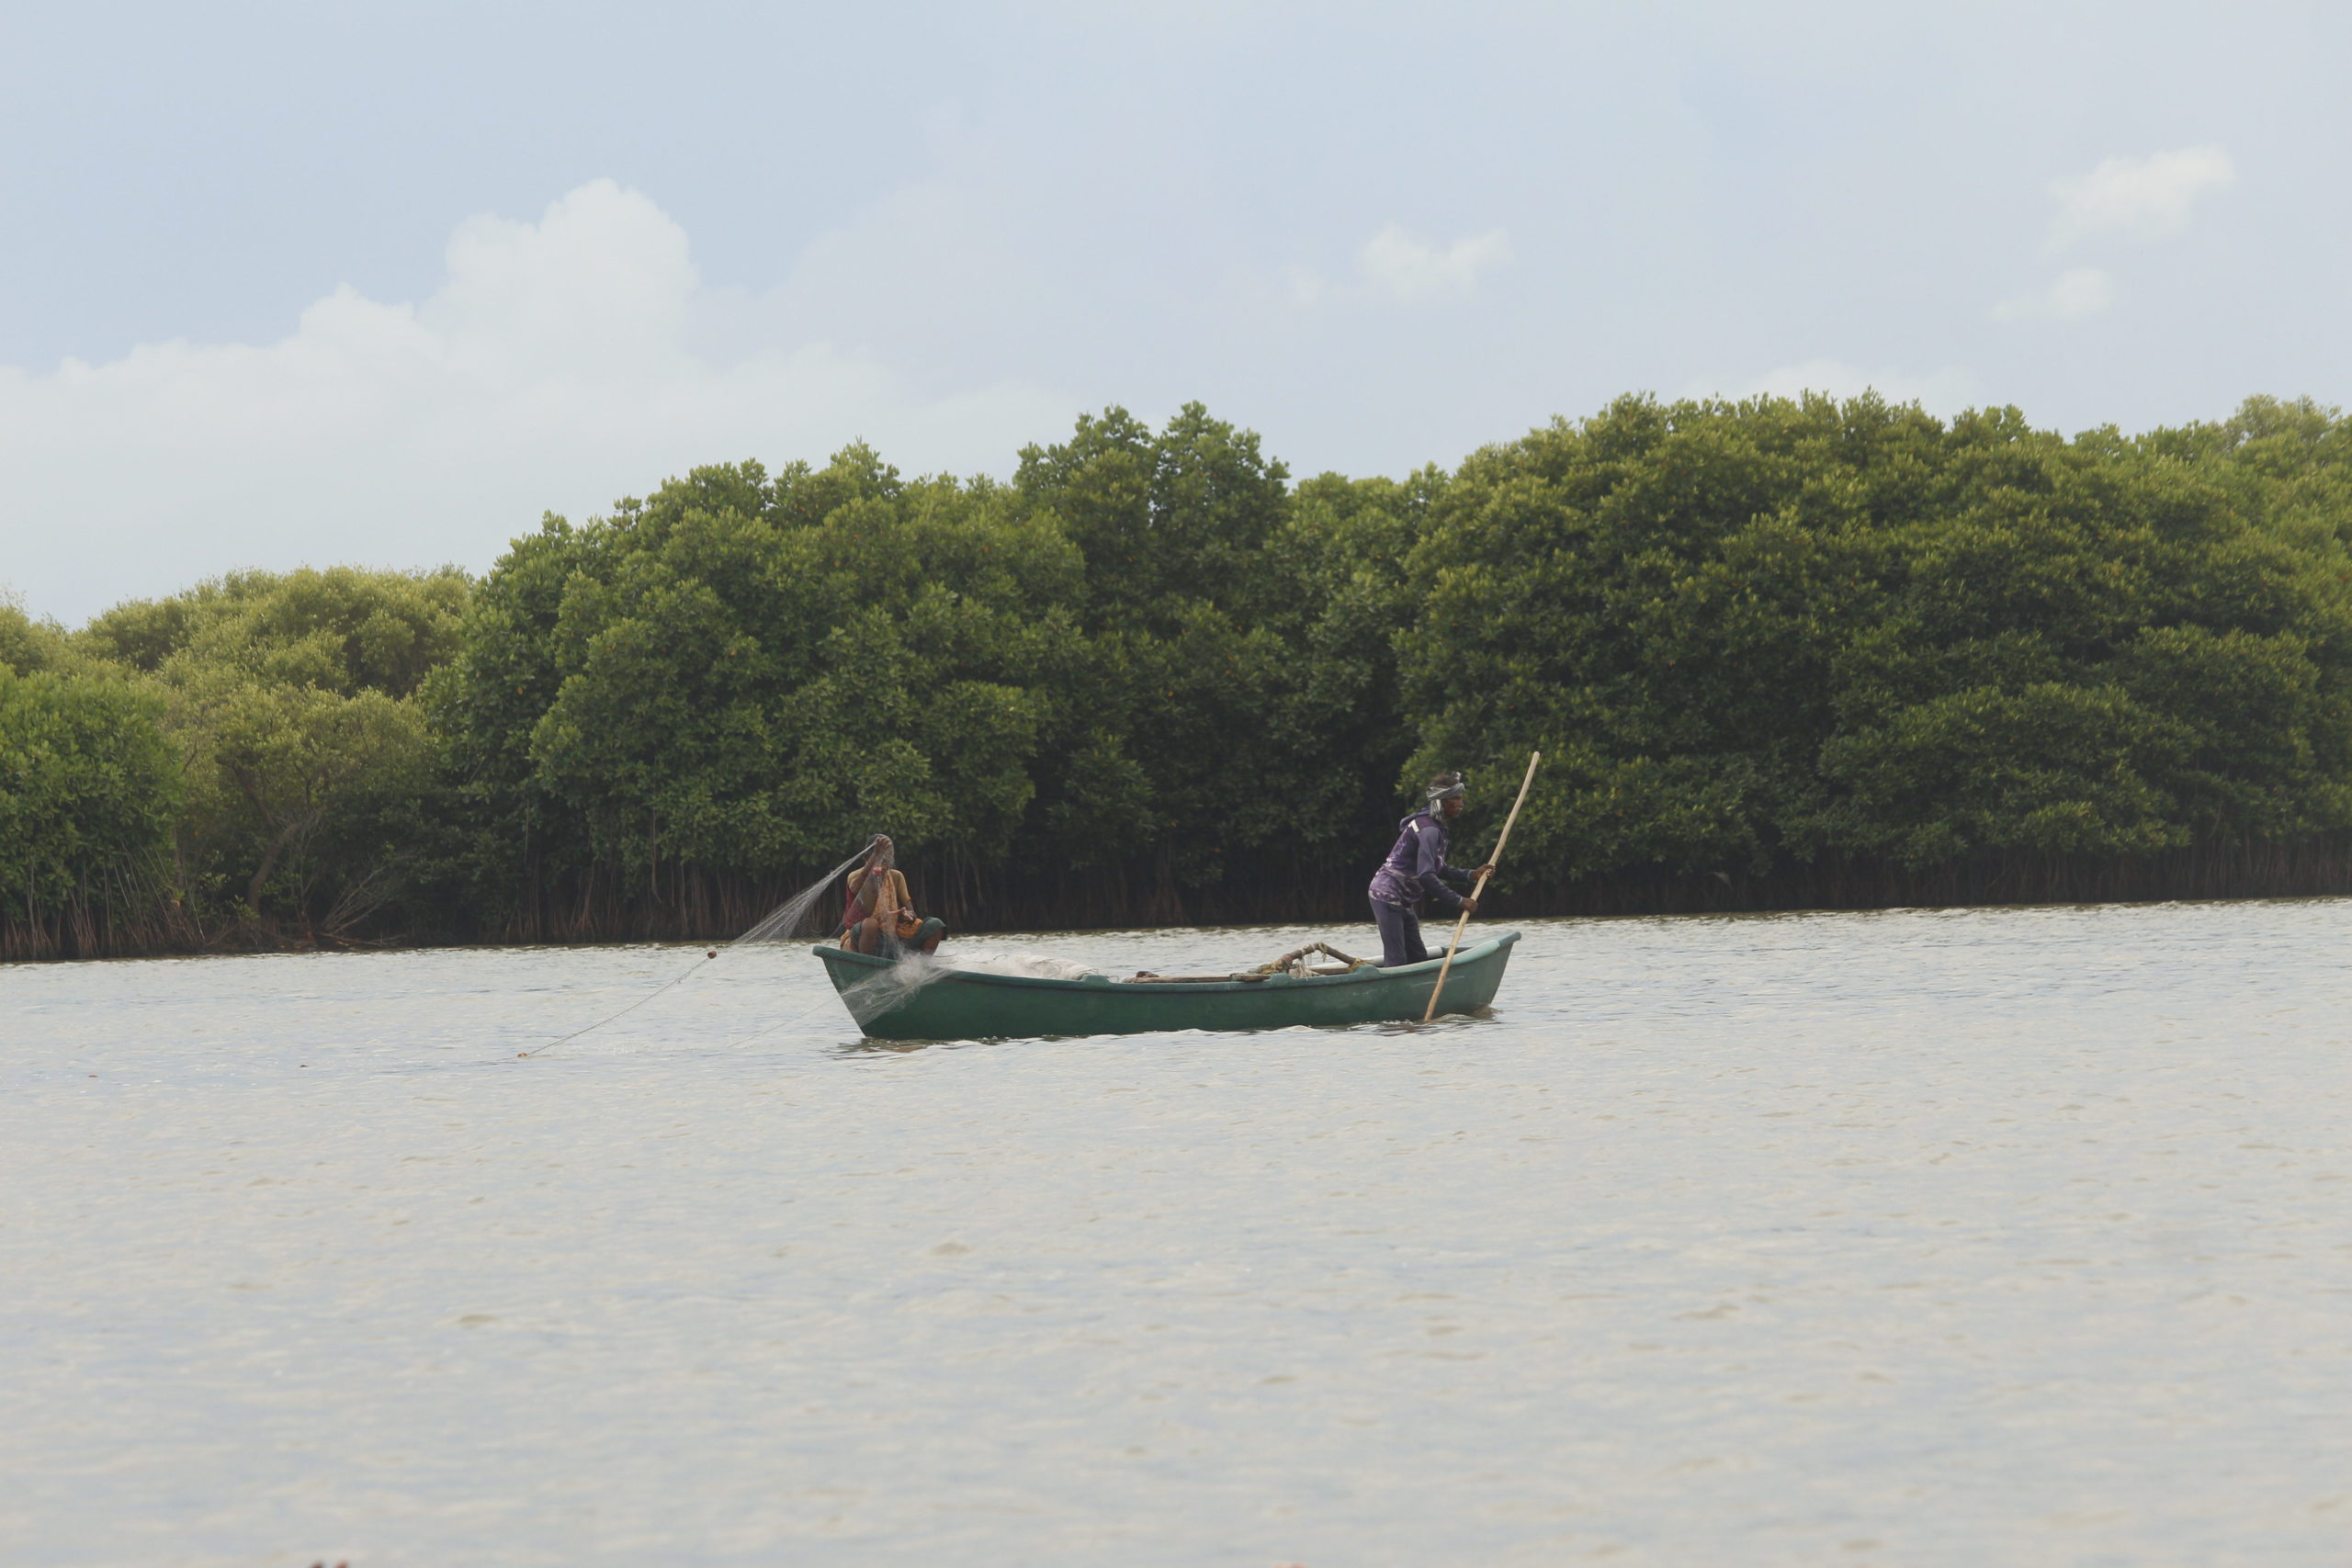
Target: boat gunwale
[{"x": 1369, "y": 973}]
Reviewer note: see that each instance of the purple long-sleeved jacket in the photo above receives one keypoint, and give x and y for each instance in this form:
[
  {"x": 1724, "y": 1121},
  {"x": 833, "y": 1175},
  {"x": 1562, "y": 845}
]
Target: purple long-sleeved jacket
[{"x": 1415, "y": 868}]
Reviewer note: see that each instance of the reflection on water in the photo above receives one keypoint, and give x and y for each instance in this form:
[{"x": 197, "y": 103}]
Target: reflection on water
[{"x": 1969, "y": 1238}]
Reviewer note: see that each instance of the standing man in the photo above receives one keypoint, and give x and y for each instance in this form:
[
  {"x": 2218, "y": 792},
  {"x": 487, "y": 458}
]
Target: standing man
[{"x": 1416, "y": 870}]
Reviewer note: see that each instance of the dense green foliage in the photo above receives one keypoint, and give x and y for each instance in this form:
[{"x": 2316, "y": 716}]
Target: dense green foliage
[
  {"x": 280, "y": 739},
  {"x": 1747, "y": 634},
  {"x": 1149, "y": 678},
  {"x": 89, "y": 788},
  {"x": 1138, "y": 658}
]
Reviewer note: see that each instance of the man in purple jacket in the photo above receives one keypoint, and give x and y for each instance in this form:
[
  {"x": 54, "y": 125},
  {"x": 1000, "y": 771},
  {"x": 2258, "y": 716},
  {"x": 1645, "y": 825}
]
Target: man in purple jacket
[{"x": 1416, "y": 870}]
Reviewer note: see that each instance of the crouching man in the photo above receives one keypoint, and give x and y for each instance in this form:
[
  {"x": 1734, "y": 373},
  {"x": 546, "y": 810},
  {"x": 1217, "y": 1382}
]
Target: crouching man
[{"x": 881, "y": 917}]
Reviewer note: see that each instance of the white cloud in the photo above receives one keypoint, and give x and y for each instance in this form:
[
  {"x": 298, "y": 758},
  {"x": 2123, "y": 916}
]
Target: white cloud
[
  {"x": 1944, "y": 391},
  {"x": 1305, "y": 284},
  {"x": 2137, "y": 197},
  {"x": 1403, "y": 266},
  {"x": 555, "y": 368},
  {"x": 2080, "y": 291},
  {"x": 1399, "y": 267}
]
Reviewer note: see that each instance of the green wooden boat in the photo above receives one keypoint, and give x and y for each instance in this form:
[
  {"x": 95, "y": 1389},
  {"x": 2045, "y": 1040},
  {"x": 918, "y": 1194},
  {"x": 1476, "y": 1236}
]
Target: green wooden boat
[{"x": 953, "y": 1004}]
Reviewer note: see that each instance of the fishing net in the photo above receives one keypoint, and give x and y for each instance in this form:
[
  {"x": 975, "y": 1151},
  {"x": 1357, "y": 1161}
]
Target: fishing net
[{"x": 808, "y": 914}]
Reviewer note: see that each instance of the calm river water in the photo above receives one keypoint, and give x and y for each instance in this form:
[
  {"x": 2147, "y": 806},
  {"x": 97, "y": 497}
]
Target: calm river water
[{"x": 2012, "y": 1237}]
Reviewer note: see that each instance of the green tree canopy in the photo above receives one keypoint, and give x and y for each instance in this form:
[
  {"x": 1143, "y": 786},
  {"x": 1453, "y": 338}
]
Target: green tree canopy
[
  {"x": 1774, "y": 628},
  {"x": 28, "y": 646},
  {"x": 292, "y": 698},
  {"x": 1149, "y": 678},
  {"x": 89, "y": 789},
  {"x": 344, "y": 629},
  {"x": 746, "y": 672}
]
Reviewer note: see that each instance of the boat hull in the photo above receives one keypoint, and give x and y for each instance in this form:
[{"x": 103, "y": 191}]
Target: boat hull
[{"x": 953, "y": 1004}]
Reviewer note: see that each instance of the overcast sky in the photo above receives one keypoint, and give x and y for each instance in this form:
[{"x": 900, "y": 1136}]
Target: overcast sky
[{"x": 318, "y": 282}]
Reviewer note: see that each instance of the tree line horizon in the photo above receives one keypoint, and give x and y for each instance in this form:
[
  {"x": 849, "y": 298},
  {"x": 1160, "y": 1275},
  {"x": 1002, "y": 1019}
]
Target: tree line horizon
[{"x": 1779, "y": 653}]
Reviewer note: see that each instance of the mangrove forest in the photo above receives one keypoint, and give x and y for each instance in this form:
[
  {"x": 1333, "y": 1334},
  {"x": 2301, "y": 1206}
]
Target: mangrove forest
[{"x": 1778, "y": 654}]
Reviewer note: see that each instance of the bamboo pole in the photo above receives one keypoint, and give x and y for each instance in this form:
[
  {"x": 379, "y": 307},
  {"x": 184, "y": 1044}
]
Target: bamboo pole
[{"x": 1492, "y": 861}]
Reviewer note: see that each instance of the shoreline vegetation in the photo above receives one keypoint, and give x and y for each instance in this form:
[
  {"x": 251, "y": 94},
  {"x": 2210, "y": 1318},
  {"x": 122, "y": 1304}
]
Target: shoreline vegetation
[{"x": 1779, "y": 655}]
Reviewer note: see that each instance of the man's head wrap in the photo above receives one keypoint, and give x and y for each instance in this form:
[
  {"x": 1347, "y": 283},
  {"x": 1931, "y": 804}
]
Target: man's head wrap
[{"x": 1446, "y": 786}]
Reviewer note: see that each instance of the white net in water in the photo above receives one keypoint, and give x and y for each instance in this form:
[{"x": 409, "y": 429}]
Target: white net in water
[
  {"x": 1029, "y": 965},
  {"x": 873, "y": 995}
]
